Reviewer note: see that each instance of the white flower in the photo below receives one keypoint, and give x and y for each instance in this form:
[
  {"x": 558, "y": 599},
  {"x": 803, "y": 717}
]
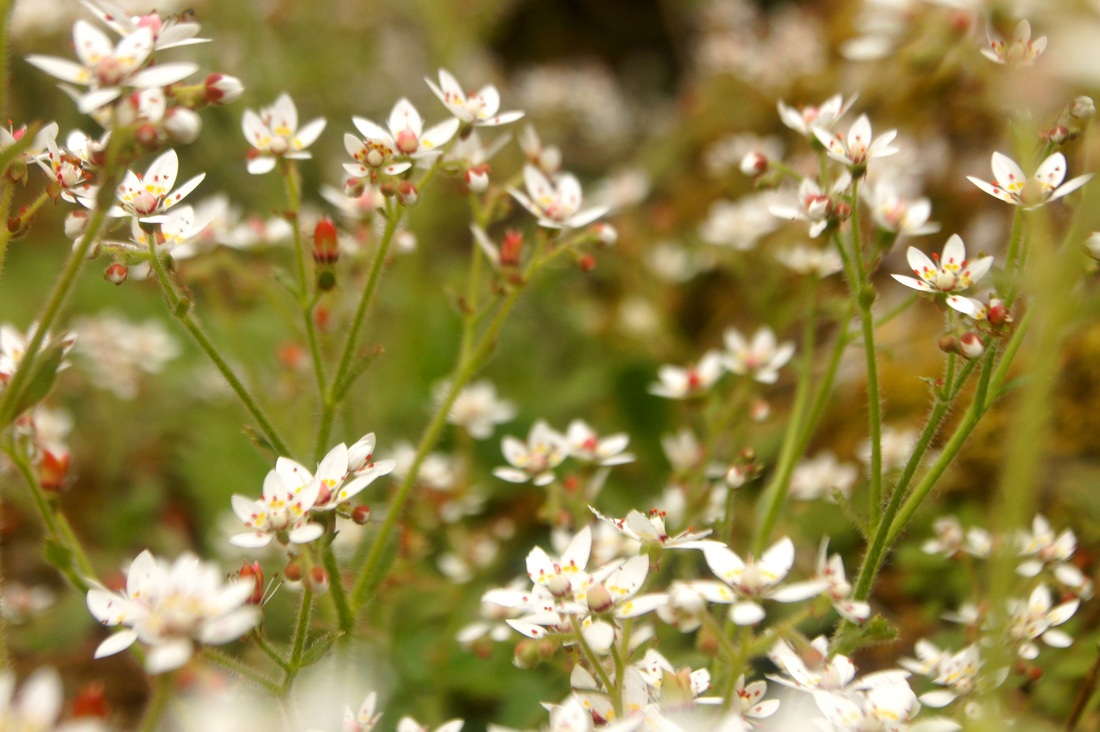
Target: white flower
[
  {"x": 477, "y": 408},
  {"x": 37, "y": 705},
  {"x": 839, "y": 590},
  {"x": 687, "y": 602},
  {"x": 274, "y": 133},
  {"x": 905, "y": 217},
  {"x": 408, "y": 724},
  {"x": 858, "y": 148},
  {"x": 106, "y": 69},
  {"x": 405, "y": 138},
  {"x": 365, "y": 719},
  {"x": 814, "y": 669},
  {"x": 681, "y": 383},
  {"x": 950, "y": 273},
  {"x": 822, "y": 476},
  {"x": 749, "y": 704},
  {"x": 1012, "y": 186},
  {"x": 166, "y": 606},
  {"x": 289, "y": 492},
  {"x": 808, "y": 260},
  {"x": 814, "y": 205},
  {"x": 650, "y": 529},
  {"x": 147, "y": 197},
  {"x": 754, "y": 579},
  {"x": 742, "y": 223},
  {"x": 804, "y": 120},
  {"x": 168, "y": 32},
  {"x": 479, "y": 108},
  {"x": 556, "y": 204},
  {"x": 535, "y": 459},
  {"x": 1021, "y": 51},
  {"x": 761, "y": 358},
  {"x": 586, "y": 445},
  {"x": 1036, "y": 619}
]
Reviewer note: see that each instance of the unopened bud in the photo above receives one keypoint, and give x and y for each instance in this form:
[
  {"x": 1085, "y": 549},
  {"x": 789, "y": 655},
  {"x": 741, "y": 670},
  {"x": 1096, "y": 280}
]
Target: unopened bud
[
  {"x": 17, "y": 170},
  {"x": 52, "y": 469},
  {"x": 19, "y": 225},
  {"x": 599, "y": 598},
  {"x": 970, "y": 345},
  {"x": 326, "y": 247},
  {"x": 1083, "y": 108},
  {"x": 254, "y": 573},
  {"x": 477, "y": 178},
  {"x": 587, "y": 263},
  {"x": 407, "y": 193},
  {"x": 527, "y": 654},
  {"x": 754, "y": 164},
  {"x": 91, "y": 701},
  {"x": 511, "y": 248},
  {"x": 947, "y": 344},
  {"x": 148, "y": 136},
  {"x": 1058, "y": 134},
  {"x": 842, "y": 211},
  {"x": 998, "y": 312},
  {"x": 386, "y": 189},
  {"x": 326, "y": 280},
  {"x": 318, "y": 580},
  {"x": 361, "y": 514},
  {"x": 760, "y": 411},
  {"x": 354, "y": 187},
  {"x": 116, "y": 273},
  {"x": 293, "y": 571},
  {"x": 183, "y": 125},
  {"x": 222, "y": 89},
  {"x": 606, "y": 234},
  {"x": 559, "y": 586}
]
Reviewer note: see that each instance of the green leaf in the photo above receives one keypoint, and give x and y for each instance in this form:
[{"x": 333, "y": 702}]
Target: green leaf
[
  {"x": 43, "y": 373},
  {"x": 319, "y": 648}
]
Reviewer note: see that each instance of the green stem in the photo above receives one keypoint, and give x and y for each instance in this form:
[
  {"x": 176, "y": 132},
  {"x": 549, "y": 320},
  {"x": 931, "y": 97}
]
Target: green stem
[
  {"x": 162, "y": 693},
  {"x": 182, "y": 312},
  {"x": 341, "y": 382},
  {"x": 597, "y": 667},
  {"x": 269, "y": 650},
  {"x": 298, "y": 643},
  {"x": 62, "y": 288},
  {"x": 243, "y": 670},
  {"x": 774, "y": 496},
  {"x": 339, "y": 595}
]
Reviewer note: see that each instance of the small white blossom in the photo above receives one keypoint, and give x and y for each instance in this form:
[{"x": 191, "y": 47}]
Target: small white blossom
[
  {"x": 756, "y": 579},
  {"x": 535, "y": 459},
  {"x": 147, "y": 198},
  {"x": 804, "y": 120},
  {"x": 1020, "y": 51},
  {"x": 1037, "y": 619},
  {"x": 587, "y": 446},
  {"x": 950, "y": 273},
  {"x": 1011, "y": 185},
  {"x": 761, "y": 358},
  {"x": 479, "y": 108},
  {"x": 556, "y": 204},
  {"x": 477, "y": 408},
  {"x": 274, "y": 133},
  {"x": 689, "y": 381},
  {"x": 167, "y": 605},
  {"x": 822, "y": 476},
  {"x": 858, "y": 148}
]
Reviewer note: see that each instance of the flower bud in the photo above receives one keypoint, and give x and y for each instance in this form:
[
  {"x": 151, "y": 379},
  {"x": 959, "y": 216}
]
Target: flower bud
[
  {"x": 148, "y": 136},
  {"x": 527, "y": 654},
  {"x": 407, "y": 193},
  {"x": 477, "y": 178},
  {"x": 318, "y": 580},
  {"x": 559, "y": 586},
  {"x": 183, "y": 125},
  {"x": 293, "y": 571},
  {"x": 326, "y": 247},
  {"x": 511, "y": 248},
  {"x": 253, "y": 572},
  {"x": 76, "y": 223},
  {"x": 1082, "y": 108},
  {"x": 354, "y": 187},
  {"x": 998, "y": 312},
  {"x": 1058, "y": 134},
  {"x": 91, "y": 701},
  {"x": 116, "y": 273},
  {"x": 606, "y": 234},
  {"x": 970, "y": 345},
  {"x": 222, "y": 89},
  {"x": 17, "y": 170},
  {"x": 52, "y": 469},
  {"x": 754, "y": 164},
  {"x": 326, "y": 280},
  {"x": 361, "y": 514},
  {"x": 760, "y": 410},
  {"x": 842, "y": 211},
  {"x": 587, "y": 263},
  {"x": 405, "y": 241},
  {"x": 599, "y": 598},
  {"x": 947, "y": 344}
]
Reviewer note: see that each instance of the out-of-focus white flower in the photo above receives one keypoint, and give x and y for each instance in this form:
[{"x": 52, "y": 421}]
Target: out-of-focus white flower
[
  {"x": 167, "y": 606},
  {"x": 804, "y": 120},
  {"x": 557, "y": 204},
  {"x": 831, "y": 569},
  {"x": 20, "y": 603},
  {"x": 477, "y": 408},
  {"x": 893, "y": 212},
  {"x": 687, "y": 601},
  {"x": 170, "y": 32},
  {"x": 681, "y": 383},
  {"x": 650, "y": 529},
  {"x": 117, "y": 352},
  {"x": 546, "y": 158},
  {"x": 535, "y": 459},
  {"x": 289, "y": 492},
  {"x": 952, "y": 539},
  {"x": 408, "y": 724},
  {"x": 742, "y": 223},
  {"x": 896, "y": 447},
  {"x": 816, "y": 670},
  {"x": 1011, "y": 185},
  {"x": 809, "y": 260},
  {"x": 480, "y": 108},
  {"x": 949, "y": 273},
  {"x": 1020, "y": 51},
  {"x": 760, "y": 358},
  {"x": 587, "y": 446},
  {"x": 365, "y": 719},
  {"x": 1043, "y": 549},
  {"x": 756, "y": 579},
  {"x": 274, "y": 133},
  {"x": 106, "y": 69},
  {"x": 749, "y": 704},
  {"x": 37, "y": 706},
  {"x": 1037, "y": 619}
]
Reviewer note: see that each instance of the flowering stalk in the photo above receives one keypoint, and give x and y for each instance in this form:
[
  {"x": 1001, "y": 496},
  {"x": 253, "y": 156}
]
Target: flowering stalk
[
  {"x": 298, "y": 643},
  {"x": 597, "y": 667},
  {"x": 341, "y": 380},
  {"x": 774, "y": 497},
  {"x": 182, "y": 312},
  {"x": 162, "y": 694},
  {"x": 292, "y": 179},
  {"x": 221, "y": 658},
  {"x": 9, "y": 403}
]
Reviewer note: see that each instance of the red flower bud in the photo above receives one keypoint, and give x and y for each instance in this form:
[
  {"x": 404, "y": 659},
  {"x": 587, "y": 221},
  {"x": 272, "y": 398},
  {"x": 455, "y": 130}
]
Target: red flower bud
[
  {"x": 511, "y": 248},
  {"x": 407, "y": 193},
  {"x": 361, "y": 514},
  {"x": 116, "y": 273},
  {"x": 256, "y": 574},
  {"x": 222, "y": 89},
  {"x": 326, "y": 249},
  {"x": 318, "y": 580}
]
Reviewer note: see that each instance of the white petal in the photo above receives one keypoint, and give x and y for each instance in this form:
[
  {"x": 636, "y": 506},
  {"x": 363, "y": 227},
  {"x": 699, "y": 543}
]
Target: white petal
[
  {"x": 162, "y": 75},
  {"x": 168, "y": 656},
  {"x": 746, "y": 613},
  {"x": 1007, "y": 173},
  {"x": 60, "y": 68},
  {"x": 120, "y": 641},
  {"x": 309, "y": 133}
]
